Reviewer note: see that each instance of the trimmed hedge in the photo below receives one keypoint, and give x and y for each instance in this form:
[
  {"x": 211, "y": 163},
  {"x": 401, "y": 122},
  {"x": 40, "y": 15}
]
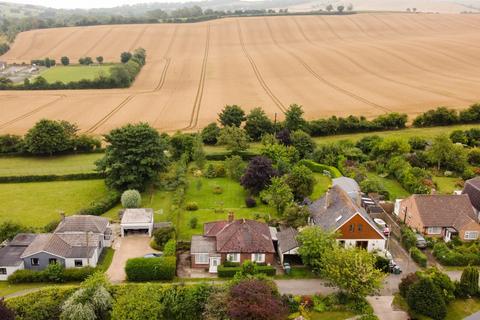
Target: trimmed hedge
[
  {"x": 67, "y": 275},
  {"x": 464, "y": 255},
  {"x": 222, "y": 156},
  {"x": 52, "y": 177},
  {"x": 320, "y": 168},
  {"x": 101, "y": 206},
  {"x": 229, "y": 272},
  {"x": 170, "y": 248},
  {"x": 418, "y": 256},
  {"x": 150, "y": 269}
]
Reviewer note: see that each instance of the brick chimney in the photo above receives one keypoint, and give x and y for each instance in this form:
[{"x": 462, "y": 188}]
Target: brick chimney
[
  {"x": 231, "y": 217},
  {"x": 327, "y": 198}
]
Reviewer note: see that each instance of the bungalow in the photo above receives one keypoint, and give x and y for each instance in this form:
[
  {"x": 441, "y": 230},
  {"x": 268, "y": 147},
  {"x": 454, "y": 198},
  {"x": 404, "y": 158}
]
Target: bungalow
[
  {"x": 10, "y": 255},
  {"x": 472, "y": 189},
  {"x": 441, "y": 216},
  {"x": 232, "y": 240},
  {"x": 337, "y": 211}
]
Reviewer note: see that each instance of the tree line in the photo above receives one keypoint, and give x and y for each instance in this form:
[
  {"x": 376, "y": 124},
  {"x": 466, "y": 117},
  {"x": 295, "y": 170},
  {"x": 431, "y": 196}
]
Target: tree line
[{"x": 121, "y": 75}]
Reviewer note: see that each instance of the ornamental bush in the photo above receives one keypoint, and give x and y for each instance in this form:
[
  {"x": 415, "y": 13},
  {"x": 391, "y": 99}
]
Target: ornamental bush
[
  {"x": 131, "y": 199},
  {"x": 5, "y": 312},
  {"x": 191, "y": 206},
  {"x": 170, "y": 248},
  {"x": 418, "y": 256},
  {"x": 151, "y": 269},
  {"x": 162, "y": 235},
  {"x": 424, "y": 297},
  {"x": 468, "y": 285}
]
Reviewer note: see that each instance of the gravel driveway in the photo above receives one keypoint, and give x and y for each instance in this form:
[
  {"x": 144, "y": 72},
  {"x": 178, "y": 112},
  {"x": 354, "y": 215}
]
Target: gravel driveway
[{"x": 133, "y": 246}]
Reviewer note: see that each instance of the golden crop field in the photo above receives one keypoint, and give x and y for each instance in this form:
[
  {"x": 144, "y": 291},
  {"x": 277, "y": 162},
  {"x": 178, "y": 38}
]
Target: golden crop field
[{"x": 362, "y": 64}]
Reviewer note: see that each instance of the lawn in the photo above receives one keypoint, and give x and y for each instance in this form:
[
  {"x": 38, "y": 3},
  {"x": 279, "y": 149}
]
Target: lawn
[
  {"x": 22, "y": 166},
  {"x": 321, "y": 186},
  {"x": 38, "y": 203},
  {"x": 446, "y": 185},
  {"x": 6, "y": 288},
  {"x": 75, "y": 72},
  {"x": 331, "y": 315},
  {"x": 394, "y": 188}
]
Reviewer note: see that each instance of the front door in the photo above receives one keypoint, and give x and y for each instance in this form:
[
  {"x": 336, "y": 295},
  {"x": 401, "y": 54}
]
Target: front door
[
  {"x": 448, "y": 236},
  {"x": 214, "y": 262}
]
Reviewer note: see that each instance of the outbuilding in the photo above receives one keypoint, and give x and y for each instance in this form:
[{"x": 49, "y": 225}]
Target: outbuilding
[
  {"x": 287, "y": 244},
  {"x": 137, "y": 220}
]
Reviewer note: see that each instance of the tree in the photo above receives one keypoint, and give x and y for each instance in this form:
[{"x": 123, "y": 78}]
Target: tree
[
  {"x": 294, "y": 118},
  {"x": 235, "y": 167},
  {"x": 446, "y": 154},
  {"x": 424, "y": 297},
  {"x": 340, "y": 8},
  {"x": 125, "y": 57},
  {"x": 162, "y": 235},
  {"x": 350, "y": 7},
  {"x": 65, "y": 61},
  {"x": 9, "y": 229},
  {"x": 99, "y": 59},
  {"x": 231, "y": 116},
  {"x": 329, "y": 7},
  {"x": 131, "y": 199},
  {"x": 459, "y": 136},
  {"x": 85, "y": 61},
  {"x": 48, "y": 137},
  {"x": 390, "y": 147},
  {"x": 352, "y": 270},
  {"x": 120, "y": 75},
  {"x": 284, "y": 137},
  {"x": 182, "y": 143},
  {"x": 234, "y": 138},
  {"x": 210, "y": 133},
  {"x": 134, "y": 157},
  {"x": 303, "y": 143},
  {"x": 258, "y": 174},
  {"x": 314, "y": 242},
  {"x": 296, "y": 216},
  {"x": 374, "y": 186},
  {"x": 468, "y": 286},
  {"x": 258, "y": 124},
  {"x": 278, "y": 195},
  {"x": 283, "y": 157},
  {"x": 140, "y": 56},
  {"x": 138, "y": 303},
  {"x": 301, "y": 181},
  {"x": 254, "y": 299},
  {"x": 198, "y": 154}
]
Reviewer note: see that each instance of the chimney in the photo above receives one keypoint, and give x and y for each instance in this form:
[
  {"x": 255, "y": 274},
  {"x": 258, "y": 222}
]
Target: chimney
[
  {"x": 327, "y": 198},
  {"x": 62, "y": 215},
  {"x": 231, "y": 217},
  {"x": 359, "y": 199}
]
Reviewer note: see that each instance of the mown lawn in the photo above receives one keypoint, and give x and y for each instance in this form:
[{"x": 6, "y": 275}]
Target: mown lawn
[
  {"x": 331, "y": 315},
  {"x": 75, "y": 72},
  {"x": 6, "y": 288},
  {"x": 23, "y": 166},
  {"x": 38, "y": 203},
  {"x": 446, "y": 185},
  {"x": 321, "y": 186},
  {"x": 394, "y": 188}
]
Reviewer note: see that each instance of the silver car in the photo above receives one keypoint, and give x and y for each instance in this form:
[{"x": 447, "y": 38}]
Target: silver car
[{"x": 421, "y": 242}]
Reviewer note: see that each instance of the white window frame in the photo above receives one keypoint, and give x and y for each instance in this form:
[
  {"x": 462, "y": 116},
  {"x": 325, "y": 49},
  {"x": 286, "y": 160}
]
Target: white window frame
[
  {"x": 35, "y": 264},
  {"x": 258, "y": 257},
  {"x": 470, "y": 235},
  {"x": 433, "y": 230},
  {"x": 233, "y": 257},
  {"x": 202, "y": 258},
  {"x": 3, "y": 271}
]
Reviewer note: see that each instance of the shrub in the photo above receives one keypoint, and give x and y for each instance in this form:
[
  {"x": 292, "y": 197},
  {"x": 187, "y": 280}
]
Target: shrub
[
  {"x": 170, "y": 249},
  {"x": 191, "y": 206},
  {"x": 235, "y": 167},
  {"x": 250, "y": 202},
  {"x": 210, "y": 133},
  {"x": 9, "y": 229},
  {"x": 217, "y": 190},
  {"x": 5, "y": 312},
  {"x": 424, "y": 297},
  {"x": 219, "y": 170},
  {"x": 131, "y": 199},
  {"x": 418, "y": 256},
  {"x": 77, "y": 274},
  {"x": 409, "y": 239},
  {"x": 193, "y": 222},
  {"x": 225, "y": 271},
  {"x": 162, "y": 235},
  {"x": 11, "y": 143},
  {"x": 150, "y": 269},
  {"x": 462, "y": 255},
  {"x": 382, "y": 264},
  {"x": 53, "y": 273},
  {"x": 138, "y": 303},
  {"x": 468, "y": 285},
  {"x": 407, "y": 282},
  {"x": 101, "y": 206},
  {"x": 441, "y": 116},
  {"x": 210, "y": 173}
]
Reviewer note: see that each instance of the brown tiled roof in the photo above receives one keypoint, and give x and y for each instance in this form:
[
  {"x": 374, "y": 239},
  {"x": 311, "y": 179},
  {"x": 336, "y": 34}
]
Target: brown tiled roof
[
  {"x": 472, "y": 188},
  {"x": 242, "y": 236},
  {"x": 444, "y": 210},
  {"x": 83, "y": 223}
]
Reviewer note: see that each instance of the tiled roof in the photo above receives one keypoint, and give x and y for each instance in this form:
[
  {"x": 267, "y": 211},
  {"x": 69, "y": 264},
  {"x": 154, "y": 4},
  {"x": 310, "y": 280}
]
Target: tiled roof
[
  {"x": 287, "y": 239},
  {"x": 10, "y": 256},
  {"x": 65, "y": 246},
  {"x": 83, "y": 223},
  {"x": 444, "y": 210},
  {"x": 340, "y": 209},
  {"x": 243, "y": 236},
  {"x": 22, "y": 239},
  {"x": 201, "y": 244},
  {"x": 472, "y": 188}
]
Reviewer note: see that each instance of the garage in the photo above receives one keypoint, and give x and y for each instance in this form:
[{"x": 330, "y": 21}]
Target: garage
[{"x": 135, "y": 221}]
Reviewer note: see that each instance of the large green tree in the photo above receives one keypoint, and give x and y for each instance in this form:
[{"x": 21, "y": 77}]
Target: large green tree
[
  {"x": 314, "y": 243},
  {"x": 258, "y": 124},
  {"x": 424, "y": 297},
  {"x": 352, "y": 270},
  {"x": 301, "y": 181},
  {"x": 445, "y": 154},
  {"x": 234, "y": 138},
  {"x": 134, "y": 157},
  {"x": 232, "y": 116},
  {"x": 303, "y": 143},
  {"x": 48, "y": 137},
  {"x": 278, "y": 195},
  {"x": 294, "y": 118}
]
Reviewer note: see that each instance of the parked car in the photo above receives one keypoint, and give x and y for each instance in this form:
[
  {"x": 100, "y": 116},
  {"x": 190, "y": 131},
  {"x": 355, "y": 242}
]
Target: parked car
[
  {"x": 383, "y": 226},
  {"x": 421, "y": 242},
  {"x": 153, "y": 255}
]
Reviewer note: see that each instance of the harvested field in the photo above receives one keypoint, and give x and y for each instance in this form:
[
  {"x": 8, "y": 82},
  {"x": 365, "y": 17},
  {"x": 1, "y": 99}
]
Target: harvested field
[{"x": 363, "y": 64}]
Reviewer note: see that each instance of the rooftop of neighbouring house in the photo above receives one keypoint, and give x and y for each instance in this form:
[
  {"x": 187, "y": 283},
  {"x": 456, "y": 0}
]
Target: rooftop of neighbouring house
[{"x": 472, "y": 189}]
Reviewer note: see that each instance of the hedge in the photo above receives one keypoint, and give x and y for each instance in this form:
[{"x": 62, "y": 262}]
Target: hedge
[
  {"x": 222, "y": 156},
  {"x": 67, "y": 275},
  {"x": 463, "y": 255},
  {"x": 229, "y": 272},
  {"x": 101, "y": 206},
  {"x": 320, "y": 168},
  {"x": 150, "y": 269},
  {"x": 52, "y": 177},
  {"x": 170, "y": 248},
  {"x": 418, "y": 256}
]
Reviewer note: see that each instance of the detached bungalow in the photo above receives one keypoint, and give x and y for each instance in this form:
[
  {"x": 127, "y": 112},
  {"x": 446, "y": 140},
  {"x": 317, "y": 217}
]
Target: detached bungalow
[
  {"x": 232, "y": 240},
  {"x": 441, "y": 216},
  {"x": 10, "y": 255},
  {"x": 337, "y": 211}
]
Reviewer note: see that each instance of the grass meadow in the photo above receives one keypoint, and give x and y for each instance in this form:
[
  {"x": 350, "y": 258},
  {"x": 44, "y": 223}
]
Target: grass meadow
[{"x": 75, "y": 72}]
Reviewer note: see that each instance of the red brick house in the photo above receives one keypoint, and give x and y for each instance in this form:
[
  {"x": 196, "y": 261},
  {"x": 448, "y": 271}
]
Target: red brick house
[
  {"x": 441, "y": 216},
  {"x": 232, "y": 240}
]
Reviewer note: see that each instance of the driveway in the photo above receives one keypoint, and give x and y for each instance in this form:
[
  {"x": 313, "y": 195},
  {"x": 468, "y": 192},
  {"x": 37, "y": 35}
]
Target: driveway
[
  {"x": 304, "y": 287},
  {"x": 133, "y": 246},
  {"x": 382, "y": 307}
]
